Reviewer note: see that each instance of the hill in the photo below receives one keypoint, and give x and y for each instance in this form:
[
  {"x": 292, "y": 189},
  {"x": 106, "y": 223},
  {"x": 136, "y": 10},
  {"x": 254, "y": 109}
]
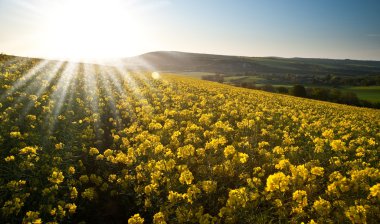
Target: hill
[
  {"x": 192, "y": 62},
  {"x": 100, "y": 144}
]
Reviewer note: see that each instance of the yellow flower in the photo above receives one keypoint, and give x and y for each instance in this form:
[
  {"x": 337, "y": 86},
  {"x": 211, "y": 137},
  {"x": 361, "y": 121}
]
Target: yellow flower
[
  {"x": 318, "y": 171},
  {"x": 32, "y": 217},
  {"x": 84, "y": 179},
  {"x": 329, "y": 134},
  {"x": 175, "y": 196},
  {"x": 93, "y": 151},
  {"x": 112, "y": 178},
  {"x": 299, "y": 172},
  {"x": 282, "y": 164},
  {"x": 186, "y": 177},
  {"x": 12, "y": 207},
  {"x": 73, "y": 193},
  {"x": 375, "y": 191},
  {"x": 28, "y": 150},
  {"x": 322, "y": 207},
  {"x": 312, "y": 222},
  {"x": 89, "y": 193},
  {"x": 136, "y": 219},
  {"x": 356, "y": 214},
  {"x": 229, "y": 150},
  {"x": 338, "y": 145},
  {"x": 215, "y": 143},
  {"x": 278, "y": 181},
  {"x": 71, "y": 207},
  {"x": 209, "y": 186},
  {"x": 59, "y": 146},
  {"x": 106, "y": 153},
  {"x": 9, "y": 158},
  {"x": 242, "y": 157},
  {"x": 237, "y": 197},
  {"x": 300, "y": 196},
  {"x": 56, "y": 177},
  {"x": 71, "y": 170},
  {"x": 278, "y": 203},
  {"x": 15, "y": 134},
  {"x": 185, "y": 152}
]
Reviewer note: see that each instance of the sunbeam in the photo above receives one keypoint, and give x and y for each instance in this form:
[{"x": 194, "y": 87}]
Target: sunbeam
[
  {"x": 25, "y": 78},
  {"x": 39, "y": 88},
  {"x": 60, "y": 92}
]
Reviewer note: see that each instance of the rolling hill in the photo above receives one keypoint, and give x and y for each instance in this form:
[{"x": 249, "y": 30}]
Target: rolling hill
[{"x": 174, "y": 61}]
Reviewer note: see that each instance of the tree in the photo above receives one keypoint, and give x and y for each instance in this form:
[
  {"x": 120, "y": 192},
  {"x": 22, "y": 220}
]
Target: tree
[
  {"x": 268, "y": 88},
  {"x": 282, "y": 89},
  {"x": 299, "y": 90}
]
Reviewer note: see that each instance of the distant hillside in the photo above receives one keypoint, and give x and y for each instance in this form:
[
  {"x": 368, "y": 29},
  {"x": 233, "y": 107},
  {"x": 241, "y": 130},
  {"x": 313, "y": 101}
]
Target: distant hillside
[{"x": 193, "y": 62}]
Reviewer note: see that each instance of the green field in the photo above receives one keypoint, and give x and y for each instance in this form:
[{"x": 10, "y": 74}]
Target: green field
[{"x": 370, "y": 93}]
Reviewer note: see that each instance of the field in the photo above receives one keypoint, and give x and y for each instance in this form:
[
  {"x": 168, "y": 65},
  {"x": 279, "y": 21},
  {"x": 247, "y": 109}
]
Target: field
[
  {"x": 99, "y": 144},
  {"x": 370, "y": 93}
]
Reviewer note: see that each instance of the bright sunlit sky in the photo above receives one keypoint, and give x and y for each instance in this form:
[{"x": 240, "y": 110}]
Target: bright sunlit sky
[{"x": 121, "y": 28}]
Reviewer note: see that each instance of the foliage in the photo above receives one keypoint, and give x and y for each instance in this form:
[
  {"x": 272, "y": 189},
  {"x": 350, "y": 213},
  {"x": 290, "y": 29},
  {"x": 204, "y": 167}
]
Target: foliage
[{"x": 298, "y": 90}]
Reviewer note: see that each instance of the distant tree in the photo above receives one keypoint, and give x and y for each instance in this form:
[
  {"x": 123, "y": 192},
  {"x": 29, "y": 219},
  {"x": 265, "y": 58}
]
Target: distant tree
[
  {"x": 321, "y": 93},
  {"x": 282, "y": 89},
  {"x": 350, "y": 98},
  {"x": 335, "y": 95},
  {"x": 215, "y": 78},
  {"x": 299, "y": 90},
  {"x": 248, "y": 85},
  {"x": 244, "y": 84},
  {"x": 268, "y": 88}
]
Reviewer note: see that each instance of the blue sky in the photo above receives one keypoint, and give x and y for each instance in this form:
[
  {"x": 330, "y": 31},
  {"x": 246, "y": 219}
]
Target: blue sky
[{"x": 286, "y": 28}]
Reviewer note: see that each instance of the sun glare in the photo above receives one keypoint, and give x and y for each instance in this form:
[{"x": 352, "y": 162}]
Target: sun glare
[{"x": 92, "y": 29}]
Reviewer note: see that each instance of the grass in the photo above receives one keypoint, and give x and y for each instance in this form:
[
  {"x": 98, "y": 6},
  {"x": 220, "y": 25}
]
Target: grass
[{"x": 370, "y": 93}]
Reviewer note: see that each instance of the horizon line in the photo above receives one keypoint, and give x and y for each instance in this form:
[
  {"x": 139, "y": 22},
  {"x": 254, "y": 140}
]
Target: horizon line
[{"x": 92, "y": 60}]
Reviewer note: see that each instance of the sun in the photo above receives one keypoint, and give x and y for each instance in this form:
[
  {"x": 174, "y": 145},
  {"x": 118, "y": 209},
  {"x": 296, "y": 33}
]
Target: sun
[{"x": 92, "y": 29}]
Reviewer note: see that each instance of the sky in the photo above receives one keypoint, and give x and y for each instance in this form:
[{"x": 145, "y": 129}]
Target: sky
[{"x": 342, "y": 29}]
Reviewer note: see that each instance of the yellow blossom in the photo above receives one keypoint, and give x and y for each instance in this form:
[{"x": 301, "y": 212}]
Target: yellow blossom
[
  {"x": 71, "y": 207},
  {"x": 278, "y": 181},
  {"x": 136, "y": 219},
  {"x": 71, "y": 170},
  {"x": 9, "y": 158},
  {"x": 56, "y": 177},
  {"x": 357, "y": 214},
  {"x": 159, "y": 218},
  {"x": 186, "y": 177},
  {"x": 322, "y": 207},
  {"x": 318, "y": 171},
  {"x": 229, "y": 150},
  {"x": 93, "y": 151}
]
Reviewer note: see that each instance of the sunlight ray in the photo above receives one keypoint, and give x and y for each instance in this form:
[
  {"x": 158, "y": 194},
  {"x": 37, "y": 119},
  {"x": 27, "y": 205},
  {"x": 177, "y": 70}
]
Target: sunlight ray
[
  {"x": 105, "y": 82},
  {"x": 11, "y": 60},
  {"x": 117, "y": 76},
  {"x": 60, "y": 94},
  {"x": 46, "y": 82},
  {"x": 127, "y": 79},
  {"x": 21, "y": 82},
  {"x": 91, "y": 93}
]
